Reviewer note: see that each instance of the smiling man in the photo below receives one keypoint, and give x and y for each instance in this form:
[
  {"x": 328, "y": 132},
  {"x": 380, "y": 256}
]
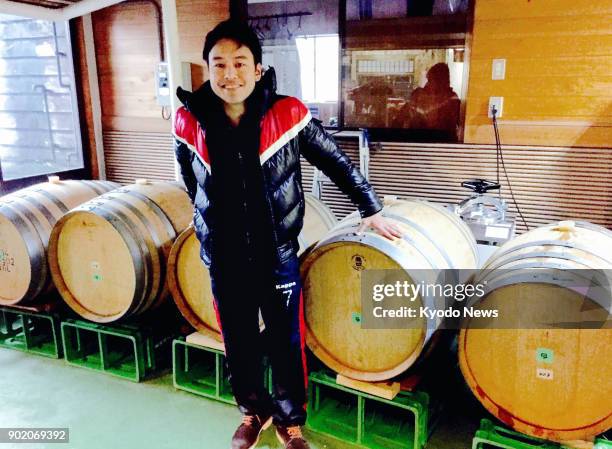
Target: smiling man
[{"x": 238, "y": 144}]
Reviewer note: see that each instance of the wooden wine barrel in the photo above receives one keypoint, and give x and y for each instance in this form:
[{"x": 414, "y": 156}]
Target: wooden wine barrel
[
  {"x": 108, "y": 257},
  {"x": 434, "y": 238},
  {"x": 26, "y": 219},
  {"x": 318, "y": 220},
  {"x": 547, "y": 382},
  {"x": 189, "y": 280}
]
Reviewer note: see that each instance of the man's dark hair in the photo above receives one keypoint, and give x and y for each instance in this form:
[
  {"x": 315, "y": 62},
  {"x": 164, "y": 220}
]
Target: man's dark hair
[{"x": 236, "y": 30}]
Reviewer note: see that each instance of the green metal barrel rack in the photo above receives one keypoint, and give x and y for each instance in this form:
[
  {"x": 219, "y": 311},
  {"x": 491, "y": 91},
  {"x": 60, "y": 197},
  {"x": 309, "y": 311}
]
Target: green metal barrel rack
[
  {"x": 492, "y": 436},
  {"x": 365, "y": 420},
  {"x": 201, "y": 370},
  {"x": 32, "y": 332},
  {"x": 128, "y": 351}
]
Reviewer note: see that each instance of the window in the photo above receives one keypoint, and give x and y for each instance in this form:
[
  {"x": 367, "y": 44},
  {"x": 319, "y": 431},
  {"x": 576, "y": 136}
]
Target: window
[
  {"x": 319, "y": 78},
  {"x": 384, "y": 9},
  {"x": 402, "y": 68},
  {"x": 300, "y": 40},
  {"x": 399, "y": 73},
  {"x": 39, "y": 124},
  {"x": 420, "y": 90}
]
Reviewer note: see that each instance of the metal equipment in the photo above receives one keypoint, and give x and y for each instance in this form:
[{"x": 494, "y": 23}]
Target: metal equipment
[{"x": 486, "y": 216}]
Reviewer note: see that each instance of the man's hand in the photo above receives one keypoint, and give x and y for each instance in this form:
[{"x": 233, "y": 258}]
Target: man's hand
[{"x": 381, "y": 225}]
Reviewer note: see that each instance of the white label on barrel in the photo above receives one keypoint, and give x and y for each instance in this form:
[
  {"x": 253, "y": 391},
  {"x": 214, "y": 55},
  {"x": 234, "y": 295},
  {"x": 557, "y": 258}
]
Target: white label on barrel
[
  {"x": 95, "y": 268},
  {"x": 546, "y": 374},
  {"x": 496, "y": 232}
]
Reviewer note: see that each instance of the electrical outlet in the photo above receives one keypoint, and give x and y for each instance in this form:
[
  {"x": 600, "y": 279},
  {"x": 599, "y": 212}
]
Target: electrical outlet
[{"x": 498, "y": 103}]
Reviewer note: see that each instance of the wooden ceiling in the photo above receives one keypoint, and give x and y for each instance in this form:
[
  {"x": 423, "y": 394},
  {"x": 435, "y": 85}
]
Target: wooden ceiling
[
  {"x": 56, "y": 10},
  {"x": 51, "y": 4}
]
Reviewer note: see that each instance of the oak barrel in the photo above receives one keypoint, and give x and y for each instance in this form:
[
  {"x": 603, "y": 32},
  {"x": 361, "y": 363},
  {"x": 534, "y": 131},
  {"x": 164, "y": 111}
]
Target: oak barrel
[
  {"x": 26, "y": 219},
  {"x": 108, "y": 257},
  {"x": 547, "y": 382},
  {"x": 434, "y": 238},
  {"x": 189, "y": 280}
]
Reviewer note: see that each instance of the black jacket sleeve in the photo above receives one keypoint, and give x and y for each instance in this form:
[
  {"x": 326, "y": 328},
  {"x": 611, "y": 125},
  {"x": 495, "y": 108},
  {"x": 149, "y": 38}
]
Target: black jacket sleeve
[
  {"x": 322, "y": 151},
  {"x": 184, "y": 156}
]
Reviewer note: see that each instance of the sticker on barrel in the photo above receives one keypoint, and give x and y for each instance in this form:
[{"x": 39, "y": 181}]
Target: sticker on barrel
[
  {"x": 358, "y": 262},
  {"x": 7, "y": 262},
  {"x": 544, "y": 355},
  {"x": 95, "y": 269},
  {"x": 545, "y": 374}
]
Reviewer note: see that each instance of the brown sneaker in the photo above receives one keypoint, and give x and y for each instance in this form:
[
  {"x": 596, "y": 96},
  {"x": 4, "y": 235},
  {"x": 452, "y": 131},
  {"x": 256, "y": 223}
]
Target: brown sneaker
[
  {"x": 291, "y": 437},
  {"x": 247, "y": 434}
]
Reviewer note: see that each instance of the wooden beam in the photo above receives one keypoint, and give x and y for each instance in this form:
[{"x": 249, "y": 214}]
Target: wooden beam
[
  {"x": 94, "y": 91},
  {"x": 85, "y": 7},
  {"x": 171, "y": 35},
  {"x": 31, "y": 11},
  {"x": 44, "y": 3},
  {"x": 59, "y": 14}
]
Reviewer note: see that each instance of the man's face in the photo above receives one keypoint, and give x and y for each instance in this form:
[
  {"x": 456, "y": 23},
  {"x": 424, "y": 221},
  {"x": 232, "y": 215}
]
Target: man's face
[{"x": 233, "y": 72}]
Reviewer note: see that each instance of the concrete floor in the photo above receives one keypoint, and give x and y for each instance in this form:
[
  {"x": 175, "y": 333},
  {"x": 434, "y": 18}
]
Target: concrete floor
[{"x": 104, "y": 412}]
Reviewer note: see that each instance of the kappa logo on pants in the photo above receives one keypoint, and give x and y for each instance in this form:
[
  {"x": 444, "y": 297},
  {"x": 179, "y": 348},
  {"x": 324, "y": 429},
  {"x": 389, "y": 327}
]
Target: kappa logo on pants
[{"x": 286, "y": 290}]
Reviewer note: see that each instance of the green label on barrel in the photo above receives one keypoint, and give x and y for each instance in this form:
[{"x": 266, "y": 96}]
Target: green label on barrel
[
  {"x": 97, "y": 277},
  {"x": 356, "y": 317},
  {"x": 7, "y": 262},
  {"x": 544, "y": 355}
]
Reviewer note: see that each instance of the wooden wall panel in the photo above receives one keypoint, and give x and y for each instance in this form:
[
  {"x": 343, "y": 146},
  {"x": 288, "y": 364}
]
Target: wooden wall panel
[
  {"x": 558, "y": 86},
  {"x": 84, "y": 96},
  {"x": 127, "y": 52},
  {"x": 195, "y": 19},
  {"x": 131, "y": 155},
  {"x": 549, "y": 183}
]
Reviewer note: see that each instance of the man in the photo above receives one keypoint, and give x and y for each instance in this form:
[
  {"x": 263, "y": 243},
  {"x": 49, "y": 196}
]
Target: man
[
  {"x": 238, "y": 145},
  {"x": 433, "y": 107}
]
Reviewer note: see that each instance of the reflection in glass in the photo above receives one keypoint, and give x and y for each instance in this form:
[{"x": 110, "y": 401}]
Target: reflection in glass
[
  {"x": 413, "y": 89},
  {"x": 385, "y": 9},
  {"x": 434, "y": 106}
]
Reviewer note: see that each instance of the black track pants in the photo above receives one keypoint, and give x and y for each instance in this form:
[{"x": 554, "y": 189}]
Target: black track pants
[{"x": 239, "y": 296}]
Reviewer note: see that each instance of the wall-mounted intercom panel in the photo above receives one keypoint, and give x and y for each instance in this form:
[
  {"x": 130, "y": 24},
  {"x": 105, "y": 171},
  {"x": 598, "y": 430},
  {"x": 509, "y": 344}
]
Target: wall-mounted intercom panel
[{"x": 162, "y": 82}]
